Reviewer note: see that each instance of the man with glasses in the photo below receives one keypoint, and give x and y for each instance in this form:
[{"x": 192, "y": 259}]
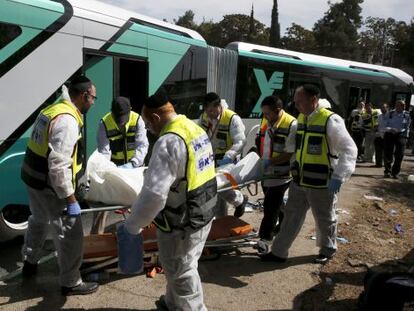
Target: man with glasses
[{"x": 51, "y": 169}]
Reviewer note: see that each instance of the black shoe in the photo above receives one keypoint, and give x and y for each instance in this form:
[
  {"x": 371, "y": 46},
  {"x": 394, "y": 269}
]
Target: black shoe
[
  {"x": 83, "y": 288},
  {"x": 394, "y": 176},
  {"x": 271, "y": 257},
  {"x": 161, "y": 304},
  {"x": 239, "y": 211},
  {"x": 29, "y": 269},
  {"x": 387, "y": 175},
  {"x": 322, "y": 259},
  {"x": 376, "y": 165}
]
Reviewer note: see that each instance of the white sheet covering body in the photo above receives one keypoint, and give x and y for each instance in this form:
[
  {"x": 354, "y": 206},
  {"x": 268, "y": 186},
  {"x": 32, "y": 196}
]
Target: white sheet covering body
[{"x": 112, "y": 185}]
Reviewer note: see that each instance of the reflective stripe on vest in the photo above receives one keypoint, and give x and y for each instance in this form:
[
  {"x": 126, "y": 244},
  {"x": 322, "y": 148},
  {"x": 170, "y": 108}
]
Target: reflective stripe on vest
[
  {"x": 279, "y": 134},
  {"x": 355, "y": 121},
  {"x": 122, "y": 146},
  {"x": 223, "y": 137},
  {"x": 35, "y": 166},
  {"x": 200, "y": 179},
  {"x": 312, "y": 167},
  {"x": 370, "y": 121}
]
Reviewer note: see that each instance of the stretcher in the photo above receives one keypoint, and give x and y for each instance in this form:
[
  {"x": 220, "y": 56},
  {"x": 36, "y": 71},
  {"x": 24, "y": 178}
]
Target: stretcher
[{"x": 100, "y": 250}]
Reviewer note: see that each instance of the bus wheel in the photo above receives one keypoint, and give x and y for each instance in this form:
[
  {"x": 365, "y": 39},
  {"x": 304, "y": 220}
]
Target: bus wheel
[{"x": 13, "y": 221}]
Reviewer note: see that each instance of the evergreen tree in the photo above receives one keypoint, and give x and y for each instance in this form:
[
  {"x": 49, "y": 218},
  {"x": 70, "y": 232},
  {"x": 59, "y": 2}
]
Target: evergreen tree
[{"x": 274, "y": 39}]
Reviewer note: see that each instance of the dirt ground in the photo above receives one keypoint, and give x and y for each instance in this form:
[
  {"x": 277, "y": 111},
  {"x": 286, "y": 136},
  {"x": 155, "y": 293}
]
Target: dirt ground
[
  {"x": 371, "y": 229},
  {"x": 240, "y": 281}
]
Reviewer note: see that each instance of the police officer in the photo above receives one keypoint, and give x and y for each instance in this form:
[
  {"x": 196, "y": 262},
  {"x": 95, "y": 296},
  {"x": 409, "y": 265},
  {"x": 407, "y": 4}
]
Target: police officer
[
  {"x": 51, "y": 170},
  {"x": 397, "y": 128},
  {"x": 180, "y": 192},
  {"x": 276, "y": 149},
  {"x": 325, "y": 157},
  {"x": 226, "y": 132},
  {"x": 122, "y": 135}
]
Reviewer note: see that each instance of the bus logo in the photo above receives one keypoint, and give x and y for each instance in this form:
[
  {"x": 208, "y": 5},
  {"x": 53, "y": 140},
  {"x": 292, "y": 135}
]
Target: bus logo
[{"x": 267, "y": 87}]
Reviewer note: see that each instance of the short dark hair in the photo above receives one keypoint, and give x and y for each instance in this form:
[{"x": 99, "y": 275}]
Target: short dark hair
[
  {"x": 79, "y": 85},
  {"x": 211, "y": 98},
  {"x": 158, "y": 99},
  {"x": 273, "y": 101},
  {"x": 311, "y": 90}
]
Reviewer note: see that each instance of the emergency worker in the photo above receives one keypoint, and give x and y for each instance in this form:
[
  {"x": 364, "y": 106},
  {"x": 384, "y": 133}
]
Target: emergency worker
[
  {"x": 325, "y": 157},
  {"x": 179, "y": 194},
  {"x": 370, "y": 122},
  {"x": 277, "y": 146},
  {"x": 357, "y": 131},
  {"x": 225, "y": 130},
  {"x": 51, "y": 169},
  {"x": 121, "y": 137}
]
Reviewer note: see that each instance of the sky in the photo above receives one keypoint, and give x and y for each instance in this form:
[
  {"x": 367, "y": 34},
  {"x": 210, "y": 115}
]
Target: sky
[{"x": 302, "y": 12}]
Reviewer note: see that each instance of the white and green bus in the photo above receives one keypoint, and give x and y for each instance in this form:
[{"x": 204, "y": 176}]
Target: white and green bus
[{"x": 43, "y": 43}]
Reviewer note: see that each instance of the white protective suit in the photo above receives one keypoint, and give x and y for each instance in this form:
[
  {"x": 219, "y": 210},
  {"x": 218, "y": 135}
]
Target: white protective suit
[
  {"x": 179, "y": 250},
  {"x": 237, "y": 133},
  {"x": 47, "y": 206},
  {"x": 321, "y": 201},
  {"x": 141, "y": 143}
]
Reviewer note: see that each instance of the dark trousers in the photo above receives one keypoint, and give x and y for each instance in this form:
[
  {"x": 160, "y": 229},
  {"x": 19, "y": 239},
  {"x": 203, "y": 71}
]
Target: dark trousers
[
  {"x": 358, "y": 137},
  {"x": 379, "y": 150},
  {"x": 272, "y": 204},
  {"x": 394, "y": 147}
]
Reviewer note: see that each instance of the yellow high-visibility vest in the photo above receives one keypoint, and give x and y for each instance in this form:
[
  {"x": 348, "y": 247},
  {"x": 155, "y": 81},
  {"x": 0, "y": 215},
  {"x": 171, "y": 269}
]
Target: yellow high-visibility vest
[
  {"x": 122, "y": 145},
  {"x": 35, "y": 166},
  {"x": 201, "y": 185},
  {"x": 312, "y": 167},
  {"x": 223, "y": 137}
]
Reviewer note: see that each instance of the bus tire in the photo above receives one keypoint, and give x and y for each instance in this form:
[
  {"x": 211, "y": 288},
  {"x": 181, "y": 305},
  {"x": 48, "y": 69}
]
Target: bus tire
[{"x": 13, "y": 221}]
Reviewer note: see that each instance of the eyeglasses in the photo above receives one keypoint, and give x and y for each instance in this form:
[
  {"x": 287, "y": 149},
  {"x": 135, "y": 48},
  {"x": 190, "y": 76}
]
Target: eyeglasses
[{"x": 93, "y": 96}]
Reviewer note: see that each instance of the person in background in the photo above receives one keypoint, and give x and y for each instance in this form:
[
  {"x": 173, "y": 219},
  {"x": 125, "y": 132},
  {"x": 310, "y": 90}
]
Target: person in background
[
  {"x": 179, "y": 195},
  {"x": 122, "y": 138},
  {"x": 397, "y": 129},
  {"x": 276, "y": 149},
  {"x": 379, "y": 139},
  {"x": 357, "y": 131},
  {"x": 51, "y": 169},
  {"x": 225, "y": 130},
  {"x": 325, "y": 158},
  {"x": 369, "y": 122}
]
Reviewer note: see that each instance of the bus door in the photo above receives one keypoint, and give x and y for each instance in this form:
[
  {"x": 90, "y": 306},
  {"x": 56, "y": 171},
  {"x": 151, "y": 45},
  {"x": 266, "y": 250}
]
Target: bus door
[{"x": 113, "y": 75}]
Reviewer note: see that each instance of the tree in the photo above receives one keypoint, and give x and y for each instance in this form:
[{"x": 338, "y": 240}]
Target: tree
[
  {"x": 404, "y": 47},
  {"x": 235, "y": 27},
  {"x": 336, "y": 33},
  {"x": 274, "y": 39},
  {"x": 187, "y": 20},
  {"x": 299, "y": 39}
]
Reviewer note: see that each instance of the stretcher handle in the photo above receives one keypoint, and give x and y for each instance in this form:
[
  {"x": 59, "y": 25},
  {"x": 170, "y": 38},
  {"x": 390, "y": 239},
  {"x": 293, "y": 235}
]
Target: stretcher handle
[
  {"x": 239, "y": 186},
  {"x": 103, "y": 209}
]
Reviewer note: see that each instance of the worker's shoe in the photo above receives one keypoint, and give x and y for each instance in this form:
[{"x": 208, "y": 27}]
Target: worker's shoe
[
  {"x": 270, "y": 257},
  {"x": 387, "y": 175},
  {"x": 322, "y": 259},
  {"x": 239, "y": 210},
  {"x": 161, "y": 304},
  {"x": 83, "y": 288},
  {"x": 394, "y": 176},
  {"x": 29, "y": 269}
]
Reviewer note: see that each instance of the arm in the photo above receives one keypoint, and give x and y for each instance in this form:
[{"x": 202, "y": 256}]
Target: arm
[
  {"x": 141, "y": 141},
  {"x": 341, "y": 143},
  {"x": 239, "y": 138},
  {"x": 102, "y": 141},
  {"x": 167, "y": 164},
  {"x": 63, "y": 135}
]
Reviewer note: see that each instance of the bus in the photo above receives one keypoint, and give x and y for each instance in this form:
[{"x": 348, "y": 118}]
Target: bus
[{"x": 45, "y": 43}]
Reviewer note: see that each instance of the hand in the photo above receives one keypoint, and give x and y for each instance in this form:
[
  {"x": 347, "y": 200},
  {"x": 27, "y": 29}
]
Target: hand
[
  {"x": 224, "y": 161},
  {"x": 128, "y": 165},
  {"x": 334, "y": 186},
  {"x": 73, "y": 209}
]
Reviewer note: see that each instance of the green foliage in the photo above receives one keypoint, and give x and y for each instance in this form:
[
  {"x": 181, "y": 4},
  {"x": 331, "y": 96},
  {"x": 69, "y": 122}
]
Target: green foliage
[
  {"x": 336, "y": 33},
  {"x": 299, "y": 39}
]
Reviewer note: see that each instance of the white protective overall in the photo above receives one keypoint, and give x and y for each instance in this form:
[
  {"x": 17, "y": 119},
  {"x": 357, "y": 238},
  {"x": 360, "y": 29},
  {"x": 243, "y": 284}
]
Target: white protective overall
[
  {"x": 321, "y": 202},
  {"x": 47, "y": 206}
]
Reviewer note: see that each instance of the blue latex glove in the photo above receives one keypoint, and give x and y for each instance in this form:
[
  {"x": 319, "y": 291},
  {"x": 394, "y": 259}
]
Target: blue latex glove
[
  {"x": 334, "y": 185},
  {"x": 130, "y": 251},
  {"x": 127, "y": 165},
  {"x": 73, "y": 209},
  {"x": 224, "y": 161}
]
